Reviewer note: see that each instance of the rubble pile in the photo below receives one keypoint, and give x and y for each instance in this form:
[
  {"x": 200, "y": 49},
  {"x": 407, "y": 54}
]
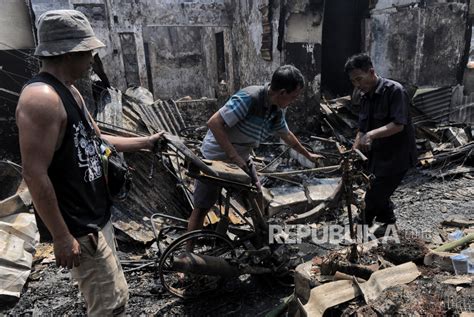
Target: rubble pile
[{"x": 386, "y": 277}]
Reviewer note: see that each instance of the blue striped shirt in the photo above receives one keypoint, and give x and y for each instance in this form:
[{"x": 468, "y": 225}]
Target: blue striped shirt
[{"x": 249, "y": 120}]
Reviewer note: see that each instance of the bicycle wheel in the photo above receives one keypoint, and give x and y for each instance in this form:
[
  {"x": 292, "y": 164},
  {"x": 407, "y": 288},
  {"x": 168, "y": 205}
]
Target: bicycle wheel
[
  {"x": 179, "y": 281},
  {"x": 166, "y": 229}
]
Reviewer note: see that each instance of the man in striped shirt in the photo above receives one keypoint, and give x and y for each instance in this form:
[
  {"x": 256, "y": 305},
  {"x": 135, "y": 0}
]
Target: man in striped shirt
[{"x": 248, "y": 118}]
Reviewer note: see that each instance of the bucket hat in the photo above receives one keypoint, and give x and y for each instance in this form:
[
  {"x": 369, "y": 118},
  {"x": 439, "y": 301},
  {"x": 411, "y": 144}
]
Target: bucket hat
[{"x": 65, "y": 31}]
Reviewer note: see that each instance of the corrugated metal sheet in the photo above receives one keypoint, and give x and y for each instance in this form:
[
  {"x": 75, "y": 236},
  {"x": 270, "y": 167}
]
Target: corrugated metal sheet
[
  {"x": 463, "y": 114},
  {"x": 462, "y": 107},
  {"x": 435, "y": 104},
  {"x": 156, "y": 115}
]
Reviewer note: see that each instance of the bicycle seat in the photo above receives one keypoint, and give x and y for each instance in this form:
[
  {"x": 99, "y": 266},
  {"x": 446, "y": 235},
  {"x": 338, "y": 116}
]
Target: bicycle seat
[
  {"x": 216, "y": 170},
  {"x": 226, "y": 172}
]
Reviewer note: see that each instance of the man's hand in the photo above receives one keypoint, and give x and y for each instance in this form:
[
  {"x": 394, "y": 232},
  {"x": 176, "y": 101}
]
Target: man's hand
[
  {"x": 366, "y": 142},
  {"x": 67, "y": 251},
  {"x": 239, "y": 161},
  {"x": 254, "y": 175},
  {"x": 152, "y": 139},
  {"x": 315, "y": 158}
]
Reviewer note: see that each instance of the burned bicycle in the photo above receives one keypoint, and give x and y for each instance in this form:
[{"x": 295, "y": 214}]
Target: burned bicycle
[
  {"x": 231, "y": 250},
  {"x": 193, "y": 263}
]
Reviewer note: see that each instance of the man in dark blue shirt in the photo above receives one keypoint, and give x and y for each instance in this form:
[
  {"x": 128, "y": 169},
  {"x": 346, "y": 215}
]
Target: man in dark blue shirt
[{"x": 386, "y": 134}]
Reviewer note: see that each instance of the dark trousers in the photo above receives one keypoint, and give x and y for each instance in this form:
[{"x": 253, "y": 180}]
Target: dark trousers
[{"x": 377, "y": 198}]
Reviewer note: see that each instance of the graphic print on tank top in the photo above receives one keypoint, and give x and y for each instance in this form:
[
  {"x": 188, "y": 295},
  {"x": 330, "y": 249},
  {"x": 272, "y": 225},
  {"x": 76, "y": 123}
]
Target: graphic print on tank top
[{"x": 86, "y": 153}]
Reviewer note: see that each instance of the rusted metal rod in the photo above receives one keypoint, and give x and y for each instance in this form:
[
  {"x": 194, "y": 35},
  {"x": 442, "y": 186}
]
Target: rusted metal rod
[{"x": 331, "y": 168}]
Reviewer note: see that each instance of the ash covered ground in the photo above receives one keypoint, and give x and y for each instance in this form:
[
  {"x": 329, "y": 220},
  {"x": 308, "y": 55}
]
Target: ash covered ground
[{"x": 422, "y": 203}]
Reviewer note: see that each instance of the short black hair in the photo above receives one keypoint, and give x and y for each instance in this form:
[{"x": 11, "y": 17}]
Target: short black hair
[
  {"x": 359, "y": 61},
  {"x": 287, "y": 77}
]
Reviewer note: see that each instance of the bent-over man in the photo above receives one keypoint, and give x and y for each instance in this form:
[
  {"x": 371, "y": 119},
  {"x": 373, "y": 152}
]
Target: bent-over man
[{"x": 249, "y": 117}]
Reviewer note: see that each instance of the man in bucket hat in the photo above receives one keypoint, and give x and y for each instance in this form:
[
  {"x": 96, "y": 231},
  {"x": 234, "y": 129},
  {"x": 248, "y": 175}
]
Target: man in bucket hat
[{"x": 61, "y": 165}]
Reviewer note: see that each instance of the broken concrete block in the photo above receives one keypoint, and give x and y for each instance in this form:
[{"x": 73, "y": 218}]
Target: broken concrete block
[
  {"x": 441, "y": 260},
  {"x": 18, "y": 239},
  {"x": 20, "y": 202},
  {"x": 303, "y": 283},
  {"x": 459, "y": 280},
  {"x": 338, "y": 292},
  {"x": 458, "y": 222}
]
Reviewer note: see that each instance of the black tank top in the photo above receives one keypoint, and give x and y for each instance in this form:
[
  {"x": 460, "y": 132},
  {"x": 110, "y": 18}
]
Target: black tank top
[{"x": 76, "y": 170}]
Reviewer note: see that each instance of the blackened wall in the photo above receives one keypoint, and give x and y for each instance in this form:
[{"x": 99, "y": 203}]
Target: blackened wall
[
  {"x": 173, "y": 66},
  {"x": 420, "y": 42}
]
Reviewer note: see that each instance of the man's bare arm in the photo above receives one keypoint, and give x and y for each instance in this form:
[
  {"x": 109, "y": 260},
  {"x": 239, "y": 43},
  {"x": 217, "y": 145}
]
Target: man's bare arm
[
  {"x": 131, "y": 144},
  {"x": 39, "y": 117},
  {"x": 292, "y": 141},
  {"x": 122, "y": 144}
]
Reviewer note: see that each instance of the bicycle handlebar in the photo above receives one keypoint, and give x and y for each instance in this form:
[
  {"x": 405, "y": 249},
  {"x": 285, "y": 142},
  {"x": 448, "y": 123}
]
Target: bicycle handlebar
[{"x": 361, "y": 155}]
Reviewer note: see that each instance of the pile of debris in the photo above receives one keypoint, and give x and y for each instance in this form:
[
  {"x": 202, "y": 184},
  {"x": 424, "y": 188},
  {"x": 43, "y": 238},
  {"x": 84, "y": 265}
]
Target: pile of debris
[
  {"x": 413, "y": 275},
  {"x": 395, "y": 276},
  {"x": 136, "y": 113},
  {"x": 18, "y": 233}
]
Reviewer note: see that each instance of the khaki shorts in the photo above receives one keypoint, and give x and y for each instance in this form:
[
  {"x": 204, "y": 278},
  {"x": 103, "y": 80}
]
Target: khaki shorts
[{"x": 100, "y": 276}]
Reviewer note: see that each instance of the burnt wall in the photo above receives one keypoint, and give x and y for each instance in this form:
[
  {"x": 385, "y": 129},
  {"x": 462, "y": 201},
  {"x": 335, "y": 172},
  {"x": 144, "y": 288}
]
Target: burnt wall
[
  {"x": 247, "y": 31},
  {"x": 141, "y": 51},
  {"x": 173, "y": 47},
  {"x": 177, "y": 52},
  {"x": 99, "y": 15},
  {"x": 420, "y": 42},
  {"x": 296, "y": 39},
  {"x": 183, "y": 60}
]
